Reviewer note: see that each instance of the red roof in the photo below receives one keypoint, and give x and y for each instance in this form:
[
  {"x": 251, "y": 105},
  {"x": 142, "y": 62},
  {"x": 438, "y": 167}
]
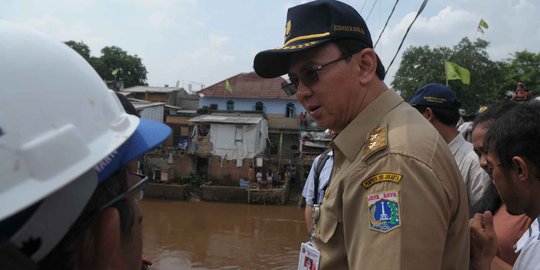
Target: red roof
[{"x": 248, "y": 85}]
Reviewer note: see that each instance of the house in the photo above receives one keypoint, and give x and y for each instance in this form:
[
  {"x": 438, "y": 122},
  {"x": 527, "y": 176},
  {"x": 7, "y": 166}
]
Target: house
[
  {"x": 171, "y": 105},
  {"x": 226, "y": 143},
  {"x": 166, "y": 94},
  {"x": 249, "y": 92}
]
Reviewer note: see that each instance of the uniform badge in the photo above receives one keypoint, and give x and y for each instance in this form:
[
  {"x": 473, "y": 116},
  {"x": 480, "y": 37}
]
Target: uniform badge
[
  {"x": 381, "y": 177},
  {"x": 384, "y": 211}
]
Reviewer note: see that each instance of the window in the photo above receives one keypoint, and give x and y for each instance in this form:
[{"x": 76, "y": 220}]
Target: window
[
  {"x": 289, "y": 111},
  {"x": 230, "y": 105},
  {"x": 259, "y": 106},
  {"x": 213, "y": 107}
]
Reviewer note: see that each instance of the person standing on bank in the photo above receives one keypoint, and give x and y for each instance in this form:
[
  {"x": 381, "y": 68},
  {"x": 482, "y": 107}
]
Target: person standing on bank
[
  {"x": 396, "y": 199},
  {"x": 440, "y": 106}
]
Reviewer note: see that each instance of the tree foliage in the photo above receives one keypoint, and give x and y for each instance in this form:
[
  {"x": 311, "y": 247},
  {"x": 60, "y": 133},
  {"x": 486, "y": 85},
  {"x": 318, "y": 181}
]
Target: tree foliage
[
  {"x": 489, "y": 79},
  {"x": 114, "y": 64},
  {"x": 524, "y": 66},
  {"x": 81, "y": 48}
]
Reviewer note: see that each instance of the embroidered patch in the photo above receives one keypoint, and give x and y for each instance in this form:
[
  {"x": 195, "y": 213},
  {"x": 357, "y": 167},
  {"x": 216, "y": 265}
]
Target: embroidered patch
[
  {"x": 384, "y": 211},
  {"x": 381, "y": 177}
]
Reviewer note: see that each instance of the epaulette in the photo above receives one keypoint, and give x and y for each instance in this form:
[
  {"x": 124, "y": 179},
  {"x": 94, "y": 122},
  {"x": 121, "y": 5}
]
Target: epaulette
[{"x": 376, "y": 141}]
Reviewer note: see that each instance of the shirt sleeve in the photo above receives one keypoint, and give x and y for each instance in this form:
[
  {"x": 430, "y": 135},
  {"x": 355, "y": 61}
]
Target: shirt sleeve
[
  {"x": 381, "y": 233},
  {"x": 309, "y": 186}
]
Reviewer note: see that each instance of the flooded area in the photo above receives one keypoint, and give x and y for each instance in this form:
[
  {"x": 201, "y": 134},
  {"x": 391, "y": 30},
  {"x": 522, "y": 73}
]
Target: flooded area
[{"x": 208, "y": 235}]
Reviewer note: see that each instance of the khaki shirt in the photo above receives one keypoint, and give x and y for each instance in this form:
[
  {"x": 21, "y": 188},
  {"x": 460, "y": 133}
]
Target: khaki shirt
[{"x": 396, "y": 199}]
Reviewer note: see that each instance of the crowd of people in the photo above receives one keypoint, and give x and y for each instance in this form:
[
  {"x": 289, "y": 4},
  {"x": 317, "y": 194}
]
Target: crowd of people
[{"x": 400, "y": 189}]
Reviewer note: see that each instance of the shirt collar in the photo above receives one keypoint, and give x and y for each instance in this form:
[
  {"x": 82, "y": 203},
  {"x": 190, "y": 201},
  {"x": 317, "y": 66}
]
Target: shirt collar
[
  {"x": 456, "y": 143},
  {"x": 348, "y": 141}
]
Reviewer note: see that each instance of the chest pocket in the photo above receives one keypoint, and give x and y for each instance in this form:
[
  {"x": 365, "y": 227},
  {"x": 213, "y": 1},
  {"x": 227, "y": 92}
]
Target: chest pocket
[{"x": 327, "y": 226}]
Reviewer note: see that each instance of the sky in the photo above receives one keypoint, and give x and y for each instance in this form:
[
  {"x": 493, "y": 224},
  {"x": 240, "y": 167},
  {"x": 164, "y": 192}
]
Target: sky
[{"x": 197, "y": 43}]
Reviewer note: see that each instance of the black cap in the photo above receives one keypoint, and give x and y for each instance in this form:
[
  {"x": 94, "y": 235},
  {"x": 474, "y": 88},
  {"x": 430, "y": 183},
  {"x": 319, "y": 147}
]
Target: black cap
[{"x": 310, "y": 25}]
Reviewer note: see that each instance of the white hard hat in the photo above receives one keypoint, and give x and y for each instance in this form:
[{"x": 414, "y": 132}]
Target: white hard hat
[{"x": 57, "y": 121}]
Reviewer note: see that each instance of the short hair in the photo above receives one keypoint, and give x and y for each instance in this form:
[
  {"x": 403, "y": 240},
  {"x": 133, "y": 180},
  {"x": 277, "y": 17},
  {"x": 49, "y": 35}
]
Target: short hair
[
  {"x": 449, "y": 117},
  {"x": 128, "y": 106},
  {"x": 351, "y": 46},
  {"x": 516, "y": 134},
  {"x": 493, "y": 113}
]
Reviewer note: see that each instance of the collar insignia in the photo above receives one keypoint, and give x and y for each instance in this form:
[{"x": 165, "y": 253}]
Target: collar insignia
[{"x": 376, "y": 141}]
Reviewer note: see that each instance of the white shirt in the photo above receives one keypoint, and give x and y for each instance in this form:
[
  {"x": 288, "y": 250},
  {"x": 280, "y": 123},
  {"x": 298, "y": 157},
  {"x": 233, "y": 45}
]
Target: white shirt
[
  {"x": 324, "y": 177},
  {"x": 465, "y": 130},
  {"x": 529, "y": 247},
  {"x": 475, "y": 178}
]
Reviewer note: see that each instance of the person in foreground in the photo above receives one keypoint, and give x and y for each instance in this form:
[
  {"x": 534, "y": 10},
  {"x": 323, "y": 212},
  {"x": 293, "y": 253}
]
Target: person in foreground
[
  {"x": 509, "y": 228},
  {"x": 396, "y": 199},
  {"x": 513, "y": 160},
  {"x": 70, "y": 187}
]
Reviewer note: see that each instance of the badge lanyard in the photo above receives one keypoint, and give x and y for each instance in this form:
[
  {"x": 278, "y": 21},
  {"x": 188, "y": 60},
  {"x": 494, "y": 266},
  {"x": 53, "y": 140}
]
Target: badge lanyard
[{"x": 315, "y": 217}]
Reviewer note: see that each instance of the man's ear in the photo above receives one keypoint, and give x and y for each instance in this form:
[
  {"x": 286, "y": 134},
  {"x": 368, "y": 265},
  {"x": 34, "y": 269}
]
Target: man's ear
[
  {"x": 428, "y": 113},
  {"x": 521, "y": 168},
  {"x": 367, "y": 64},
  {"x": 106, "y": 232}
]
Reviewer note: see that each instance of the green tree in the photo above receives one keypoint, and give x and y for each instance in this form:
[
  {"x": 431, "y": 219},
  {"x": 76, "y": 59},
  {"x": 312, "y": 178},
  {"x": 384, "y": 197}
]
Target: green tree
[
  {"x": 422, "y": 65},
  {"x": 524, "y": 66},
  {"x": 114, "y": 64},
  {"x": 81, "y": 48}
]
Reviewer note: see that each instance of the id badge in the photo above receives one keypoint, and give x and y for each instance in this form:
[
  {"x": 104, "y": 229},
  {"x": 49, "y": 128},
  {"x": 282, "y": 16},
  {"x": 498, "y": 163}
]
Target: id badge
[{"x": 309, "y": 257}]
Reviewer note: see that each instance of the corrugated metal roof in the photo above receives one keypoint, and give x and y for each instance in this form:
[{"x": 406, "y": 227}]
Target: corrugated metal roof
[
  {"x": 226, "y": 119},
  {"x": 150, "y": 89},
  {"x": 248, "y": 85},
  {"x": 141, "y": 104}
]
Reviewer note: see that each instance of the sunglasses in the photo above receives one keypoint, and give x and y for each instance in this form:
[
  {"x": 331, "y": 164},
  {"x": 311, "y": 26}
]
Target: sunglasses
[
  {"x": 136, "y": 191},
  {"x": 308, "y": 77}
]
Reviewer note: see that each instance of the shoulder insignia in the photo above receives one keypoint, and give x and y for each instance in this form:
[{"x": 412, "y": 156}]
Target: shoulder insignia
[
  {"x": 381, "y": 177},
  {"x": 384, "y": 211},
  {"x": 375, "y": 141}
]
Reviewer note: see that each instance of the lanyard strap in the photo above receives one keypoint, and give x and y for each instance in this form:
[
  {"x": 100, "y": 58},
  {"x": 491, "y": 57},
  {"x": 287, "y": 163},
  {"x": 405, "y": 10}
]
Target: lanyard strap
[{"x": 315, "y": 217}]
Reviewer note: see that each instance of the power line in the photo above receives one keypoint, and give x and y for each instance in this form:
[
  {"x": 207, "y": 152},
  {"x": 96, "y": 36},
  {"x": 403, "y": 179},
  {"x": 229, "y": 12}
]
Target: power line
[
  {"x": 387, "y": 20},
  {"x": 372, "y": 7},
  {"x": 406, "y": 33}
]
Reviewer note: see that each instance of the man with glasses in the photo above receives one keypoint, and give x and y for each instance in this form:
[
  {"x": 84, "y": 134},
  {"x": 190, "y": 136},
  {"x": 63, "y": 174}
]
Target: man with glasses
[
  {"x": 70, "y": 187},
  {"x": 396, "y": 199}
]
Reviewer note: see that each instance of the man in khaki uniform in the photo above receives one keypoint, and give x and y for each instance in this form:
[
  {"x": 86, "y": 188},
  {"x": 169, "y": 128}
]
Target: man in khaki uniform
[{"x": 396, "y": 199}]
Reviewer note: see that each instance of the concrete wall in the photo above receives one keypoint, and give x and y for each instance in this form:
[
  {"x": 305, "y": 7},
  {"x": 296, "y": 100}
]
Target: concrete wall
[
  {"x": 225, "y": 172},
  {"x": 183, "y": 165},
  {"x": 224, "y": 194},
  {"x": 166, "y": 191}
]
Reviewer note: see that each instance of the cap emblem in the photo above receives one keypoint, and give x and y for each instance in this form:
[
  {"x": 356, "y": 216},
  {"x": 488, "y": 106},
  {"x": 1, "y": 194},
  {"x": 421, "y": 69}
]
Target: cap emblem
[{"x": 287, "y": 29}]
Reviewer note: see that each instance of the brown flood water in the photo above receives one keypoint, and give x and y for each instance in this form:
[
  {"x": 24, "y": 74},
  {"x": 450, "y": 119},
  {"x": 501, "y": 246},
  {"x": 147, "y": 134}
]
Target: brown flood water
[{"x": 207, "y": 235}]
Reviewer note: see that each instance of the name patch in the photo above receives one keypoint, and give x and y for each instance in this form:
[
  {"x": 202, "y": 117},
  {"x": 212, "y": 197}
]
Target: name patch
[
  {"x": 381, "y": 177},
  {"x": 384, "y": 211}
]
